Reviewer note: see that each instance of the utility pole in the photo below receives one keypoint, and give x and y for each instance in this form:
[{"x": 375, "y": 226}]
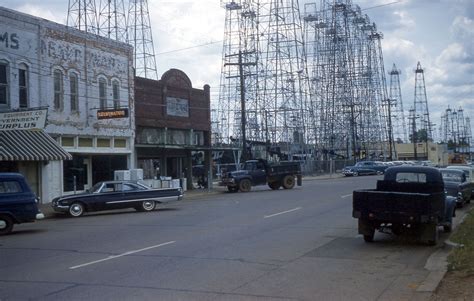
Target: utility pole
[
  {"x": 243, "y": 121},
  {"x": 388, "y": 102}
]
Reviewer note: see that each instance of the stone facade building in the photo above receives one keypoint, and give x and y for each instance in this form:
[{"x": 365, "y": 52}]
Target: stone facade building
[{"x": 86, "y": 84}]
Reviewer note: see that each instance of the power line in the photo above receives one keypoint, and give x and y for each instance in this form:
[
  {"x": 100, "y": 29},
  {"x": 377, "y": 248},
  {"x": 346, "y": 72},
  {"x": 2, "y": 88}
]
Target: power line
[{"x": 190, "y": 47}]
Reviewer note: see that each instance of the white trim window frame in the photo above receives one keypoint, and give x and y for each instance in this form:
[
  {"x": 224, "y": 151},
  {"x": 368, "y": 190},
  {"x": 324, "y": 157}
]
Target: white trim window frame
[
  {"x": 74, "y": 91},
  {"x": 23, "y": 84},
  {"x": 58, "y": 90},
  {"x": 4, "y": 83}
]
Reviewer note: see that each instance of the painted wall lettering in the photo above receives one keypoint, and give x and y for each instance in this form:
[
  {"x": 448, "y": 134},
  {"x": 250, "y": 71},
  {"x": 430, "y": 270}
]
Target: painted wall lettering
[{"x": 10, "y": 40}]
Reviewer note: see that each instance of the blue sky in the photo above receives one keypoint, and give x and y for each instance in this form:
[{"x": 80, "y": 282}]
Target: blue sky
[{"x": 438, "y": 33}]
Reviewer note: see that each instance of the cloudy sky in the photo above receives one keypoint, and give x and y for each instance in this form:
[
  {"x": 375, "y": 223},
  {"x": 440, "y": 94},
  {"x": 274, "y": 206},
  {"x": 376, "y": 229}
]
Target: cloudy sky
[{"x": 438, "y": 33}]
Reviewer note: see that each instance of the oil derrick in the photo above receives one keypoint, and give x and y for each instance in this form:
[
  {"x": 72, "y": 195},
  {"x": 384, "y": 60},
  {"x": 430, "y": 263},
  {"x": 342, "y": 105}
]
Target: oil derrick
[
  {"x": 285, "y": 77},
  {"x": 455, "y": 130},
  {"x": 381, "y": 115},
  {"x": 112, "y": 20},
  {"x": 141, "y": 38},
  {"x": 239, "y": 76},
  {"x": 347, "y": 74},
  {"x": 82, "y": 14},
  {"x": 398, "y": 113},
  {"x": 422, "y": 115}
]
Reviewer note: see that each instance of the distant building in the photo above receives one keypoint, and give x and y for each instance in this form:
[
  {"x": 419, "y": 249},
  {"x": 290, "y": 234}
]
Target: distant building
[
  {"x": 434, "y": 152},
  {"x": 85, "y": 82},
  {"x": 173, "y": 126}
]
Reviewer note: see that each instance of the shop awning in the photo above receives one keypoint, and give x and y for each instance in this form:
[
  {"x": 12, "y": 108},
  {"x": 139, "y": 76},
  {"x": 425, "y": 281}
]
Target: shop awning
[{"x": 30, "y": 145}]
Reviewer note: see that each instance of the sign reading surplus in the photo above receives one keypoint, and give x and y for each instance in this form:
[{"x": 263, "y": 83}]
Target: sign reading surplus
[
  {"x": 111, "y": 114},
  {"x": 23, "y": 120},
  {"x": 177, "y": 107}
]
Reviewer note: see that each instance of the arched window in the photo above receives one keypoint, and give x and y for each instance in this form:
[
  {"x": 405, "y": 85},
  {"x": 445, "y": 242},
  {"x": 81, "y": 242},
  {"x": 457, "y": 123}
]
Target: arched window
[
  {"x": 74, "y": 92},
  {"x": 103, "y": 93},
  {"x": 4, "y": 91},
  {"x": 116, "y": 94},
  {"x": 58, "y": 90},
  {"x": 23, "y": 83}
]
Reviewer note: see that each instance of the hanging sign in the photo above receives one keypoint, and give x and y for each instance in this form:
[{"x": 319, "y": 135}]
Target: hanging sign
[
  {"x": 111, "y": 114},
  {"x": 23, "y": 120}
]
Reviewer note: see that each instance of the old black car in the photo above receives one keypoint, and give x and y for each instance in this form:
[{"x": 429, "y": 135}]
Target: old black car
[
  {"x": 115, "y": 195},
  {"x": 456, "y": 185}
]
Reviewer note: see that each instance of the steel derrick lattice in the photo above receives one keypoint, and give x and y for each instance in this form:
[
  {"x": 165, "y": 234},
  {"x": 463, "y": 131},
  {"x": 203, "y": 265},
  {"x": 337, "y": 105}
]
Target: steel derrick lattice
[
  {"x": 420, "y": 105},
  {"x": 347, "y": 79},
  {"x": 265, "y": 65},
  {"x": 398, "y": 112},
  {"x": 112, "y": 20},
  {"x": 455, "y": 130},
  {"x": 82, "y": 14}
]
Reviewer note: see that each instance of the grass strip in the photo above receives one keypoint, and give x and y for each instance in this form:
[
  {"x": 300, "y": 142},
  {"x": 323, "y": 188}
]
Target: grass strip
[{"x": 462, "y": 259}]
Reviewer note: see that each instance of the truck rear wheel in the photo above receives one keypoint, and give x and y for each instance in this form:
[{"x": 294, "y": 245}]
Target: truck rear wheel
[
  {"x": 369, "y": 237},
  {"x": 232, "y": 188},
  {"x": 274, "y": 185},
  {"x": 288, "y": 182},
  {"x": 245, "y": 185}
]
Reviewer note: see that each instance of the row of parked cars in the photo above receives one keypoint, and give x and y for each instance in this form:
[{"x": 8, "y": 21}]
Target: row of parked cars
[
  {"x": 19, "y": 204},
  {"x": 459, "y": 179}
]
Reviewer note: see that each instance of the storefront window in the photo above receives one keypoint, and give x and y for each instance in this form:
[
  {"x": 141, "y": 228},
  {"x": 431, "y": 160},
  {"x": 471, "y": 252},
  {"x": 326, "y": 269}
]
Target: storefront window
[
  {"x": 103, "y": 93},
  {"x": 3, "y": 83},
  {"x": 116, "y": 94},
  {"x": 73, "y": 87},
  {"x": 23, "y": 85},
  {"x": 58, "y": 90},
  {"x": 75, "y": 173}
]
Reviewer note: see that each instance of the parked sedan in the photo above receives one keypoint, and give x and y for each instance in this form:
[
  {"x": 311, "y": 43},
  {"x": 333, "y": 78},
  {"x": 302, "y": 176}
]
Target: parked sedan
[
  {"x": 115, "y": 195},
  {"x": 359, "y": 171},
  {"x": 456, "y": 185}
]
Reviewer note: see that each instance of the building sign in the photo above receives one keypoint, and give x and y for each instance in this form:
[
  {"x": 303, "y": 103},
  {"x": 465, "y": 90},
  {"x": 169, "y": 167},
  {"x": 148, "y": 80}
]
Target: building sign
[
  {"x": 177, "y": 107},
  {"x": 111, "y": 114},
  {"x": 23, "y": 120}
]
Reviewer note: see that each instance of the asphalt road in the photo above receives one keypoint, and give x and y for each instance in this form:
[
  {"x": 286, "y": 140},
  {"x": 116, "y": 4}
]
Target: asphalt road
[{"x": 299, "y": 244}]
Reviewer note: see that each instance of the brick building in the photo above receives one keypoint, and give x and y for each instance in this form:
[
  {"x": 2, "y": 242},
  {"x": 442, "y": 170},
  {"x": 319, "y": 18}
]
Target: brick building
[{"x": 173, "y": 125}]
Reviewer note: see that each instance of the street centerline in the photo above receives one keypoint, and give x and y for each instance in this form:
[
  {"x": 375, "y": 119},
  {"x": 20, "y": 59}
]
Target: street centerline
[
  {"x": 280, "y": 213},
  {"x": 346, "y": 196},
  {"x": 121, "y": 255}
]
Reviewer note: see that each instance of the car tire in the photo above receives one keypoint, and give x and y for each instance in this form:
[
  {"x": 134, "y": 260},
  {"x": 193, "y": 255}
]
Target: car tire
[
  {"x": 245, "y": 185},
  {"x": 232, "y": 189},
  {"x": 274, "y": 185},
  {"x": 448, "y": 228},
  {"x": 369, "y": 237},
  {"x": 7, "y": 226},
  {"x": 289, "y": 182},
  {"x": 146, "y": 206},
  {"x": 434, "y": 240},
  {"x": 76, "y": 209},
  {"x": 355, "y": 174}
]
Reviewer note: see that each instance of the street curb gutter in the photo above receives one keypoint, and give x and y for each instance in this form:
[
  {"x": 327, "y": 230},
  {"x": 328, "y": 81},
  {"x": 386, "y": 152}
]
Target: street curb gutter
[{"x": 437, "y": 263}]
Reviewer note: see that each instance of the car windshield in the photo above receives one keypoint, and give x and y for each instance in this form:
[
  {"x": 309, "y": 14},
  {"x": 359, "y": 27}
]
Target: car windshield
[
  {"x": 451, "y": 176},
  {"x": 95, "y": 188}
]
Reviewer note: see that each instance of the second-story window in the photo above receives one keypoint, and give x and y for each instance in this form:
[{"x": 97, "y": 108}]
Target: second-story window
[
  {"x": 58, "y": 90},
  {"x": 3, "y": 83},
  {"x": 103, "y": 93},
  {"x": 73, "y": 87},
  {"x": 23, "y": 86},
  {"x": 116, "y": 94}
]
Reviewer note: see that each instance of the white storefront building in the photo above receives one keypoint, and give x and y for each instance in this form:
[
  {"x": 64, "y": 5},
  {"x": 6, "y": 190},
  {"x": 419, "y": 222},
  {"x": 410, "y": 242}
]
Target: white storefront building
[{"x": 85, "y": 84}]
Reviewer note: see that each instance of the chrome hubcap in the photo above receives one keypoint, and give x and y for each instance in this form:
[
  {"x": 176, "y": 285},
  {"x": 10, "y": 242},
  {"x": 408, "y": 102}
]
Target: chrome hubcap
[
  {"x": 3, "y": 224},
  {"x": 147, "y": 205}
]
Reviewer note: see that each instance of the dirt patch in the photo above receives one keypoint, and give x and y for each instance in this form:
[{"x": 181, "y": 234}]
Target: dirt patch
[{"x": 455, "y": 285}]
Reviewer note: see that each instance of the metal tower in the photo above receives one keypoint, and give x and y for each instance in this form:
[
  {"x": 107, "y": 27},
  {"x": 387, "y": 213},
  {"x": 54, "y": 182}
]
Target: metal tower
[
  {"x": 347, "y": 79},
  {"x": 112, "y": 20},
  {"x": 285, "y": 77},
  {"x": 140, "y": 37},
  {"x": 82, "y": 14},
  {"x": 455, "y": 130},
  {"x": 423, "y": 125},
  {"x": 240, "y": 113},
  {"x": 398, "y": 113}
]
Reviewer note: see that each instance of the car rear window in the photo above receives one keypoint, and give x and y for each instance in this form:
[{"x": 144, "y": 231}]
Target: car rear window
[
  {"x": 410, "y": 177},
  {"x": 10, "y": 187}
]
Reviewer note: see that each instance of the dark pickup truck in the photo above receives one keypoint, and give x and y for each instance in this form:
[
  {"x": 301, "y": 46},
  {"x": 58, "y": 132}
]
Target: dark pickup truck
[
  {"x": 409, "y": 199},
  {"x": 18, "y": 204},
  {"x": 260, "y": 172}
]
